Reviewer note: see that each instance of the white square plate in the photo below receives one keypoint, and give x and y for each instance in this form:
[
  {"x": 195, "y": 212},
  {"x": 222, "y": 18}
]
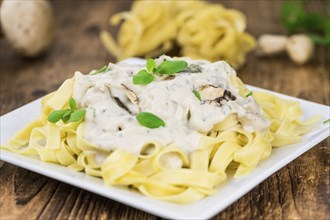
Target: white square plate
[{"x": 228, "y": 192}]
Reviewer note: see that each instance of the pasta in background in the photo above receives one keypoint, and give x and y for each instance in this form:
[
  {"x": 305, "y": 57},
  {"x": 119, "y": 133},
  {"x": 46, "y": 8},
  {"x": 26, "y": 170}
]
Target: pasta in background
[
  {"x": 189, "y": 177},
  {"x": 214, "y": 33},
  {"x": 148, "y": 29},
  {"x": 202, "y": 30}
]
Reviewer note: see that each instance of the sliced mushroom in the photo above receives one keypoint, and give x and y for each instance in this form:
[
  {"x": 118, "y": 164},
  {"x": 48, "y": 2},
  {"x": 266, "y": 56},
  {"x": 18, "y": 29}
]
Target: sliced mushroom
[
  {"x": 228, "y": 96},
  {"x": 121, "y": 104},
  {"x": 166, "y": 77},
  {"x": 188, "y": 115},
  {"x": 210, "y": 92},
  {"x": 130, "y": 94},
  {"x": 117, "y": 100},
  {"x": 193, "y": 68},
  {"x": 219, "y": 101}
]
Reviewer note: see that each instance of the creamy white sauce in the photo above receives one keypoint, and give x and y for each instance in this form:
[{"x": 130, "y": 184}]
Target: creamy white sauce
[
  {"x": 110, "y": 126},
  {"x": 171, "y": 160}
]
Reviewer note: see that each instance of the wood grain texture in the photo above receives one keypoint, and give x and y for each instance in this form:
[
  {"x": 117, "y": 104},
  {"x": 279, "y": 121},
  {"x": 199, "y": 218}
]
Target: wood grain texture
[{"x": 298, "y": 191}]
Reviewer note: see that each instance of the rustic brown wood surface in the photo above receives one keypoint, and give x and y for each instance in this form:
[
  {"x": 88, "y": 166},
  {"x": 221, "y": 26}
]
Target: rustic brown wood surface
[{"x": 298, "y": 191}]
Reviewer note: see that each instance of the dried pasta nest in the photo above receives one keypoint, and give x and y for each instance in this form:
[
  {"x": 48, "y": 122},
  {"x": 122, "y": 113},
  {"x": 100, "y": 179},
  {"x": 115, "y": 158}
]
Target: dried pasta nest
[{"x": 202, "y": 30}]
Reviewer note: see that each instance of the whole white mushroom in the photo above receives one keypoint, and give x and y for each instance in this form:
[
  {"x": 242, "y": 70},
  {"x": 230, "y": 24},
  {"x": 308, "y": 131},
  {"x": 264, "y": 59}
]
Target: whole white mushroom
[
  {"x": 300, "y": 48},
  {"x": 28, "y": 25}
]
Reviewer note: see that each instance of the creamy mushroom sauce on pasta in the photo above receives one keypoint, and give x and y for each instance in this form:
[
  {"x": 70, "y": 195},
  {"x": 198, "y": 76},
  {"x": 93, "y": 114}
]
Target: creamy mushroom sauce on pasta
[
  {"x": 110, "y": 121},
  {"x": 169, "y": 129}
]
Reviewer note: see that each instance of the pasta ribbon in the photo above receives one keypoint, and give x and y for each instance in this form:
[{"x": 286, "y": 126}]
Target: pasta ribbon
[
  {"x": 152, "y": 25},
  {"x": 117, "y": 165},
  {"x": 213, "y": 32},
  {"x": 202, "y": 30},
  {"x": 286, "y": 128}
]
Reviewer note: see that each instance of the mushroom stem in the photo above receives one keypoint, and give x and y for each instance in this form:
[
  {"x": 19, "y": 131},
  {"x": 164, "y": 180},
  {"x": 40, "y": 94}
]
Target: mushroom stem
[{"x": 271, "y": 44}]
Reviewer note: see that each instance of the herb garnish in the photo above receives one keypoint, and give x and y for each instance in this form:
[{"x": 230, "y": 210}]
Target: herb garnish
[
  {"x": 197, "y": 94},
  {"x": 326, "y": 121},
  {"x": 146, "y": 76},
  {"x": 67, "y": 115},
  {"x": 77, "y": 115},
  {"x": 151, "y": 64},
  {"x": 56, "y": 115},
  {"x": 143, "y": 78},
  {"x": 102, "y": 70},
  {"x": 171, "y": 67},
  {"x": 149, "y": 120},
  {"x": 249, "y": 94},
  {"x": 72, "y": 104},
  {"x": 296, "y": 19}
]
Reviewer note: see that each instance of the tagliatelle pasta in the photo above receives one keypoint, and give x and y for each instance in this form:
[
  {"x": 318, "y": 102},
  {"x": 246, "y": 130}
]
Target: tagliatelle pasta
[
  {"x": 149, "y": 28},
  {"x": 202, "y": 30},
  {"x": 169, "y": 172},
  {"x": 213, "y": 32}
]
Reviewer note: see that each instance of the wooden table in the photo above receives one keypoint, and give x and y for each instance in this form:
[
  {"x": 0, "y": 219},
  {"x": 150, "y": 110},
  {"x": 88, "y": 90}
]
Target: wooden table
[{"x": 298, "y": 191}]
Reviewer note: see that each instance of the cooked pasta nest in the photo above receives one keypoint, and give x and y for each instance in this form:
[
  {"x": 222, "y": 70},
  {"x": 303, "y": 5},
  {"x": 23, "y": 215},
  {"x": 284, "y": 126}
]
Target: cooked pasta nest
[{"x": 202, "y": 30}]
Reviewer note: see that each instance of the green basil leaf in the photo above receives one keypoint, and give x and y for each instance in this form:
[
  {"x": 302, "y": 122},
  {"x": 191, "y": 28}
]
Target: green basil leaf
[
  {"x": 249, "y": 94},
  {"x": 102, "y": 70},
  {"x": 296, "y": 19},
  {"x": 326, "y": 121},
  {"x": 313, "y": 22},
  {"x": 72, "y": 104},
  {"x": 142, "y": 78},
  {"x": 291, "y": 15},
  {"x": 149, "y": 120},
  {"x": 151, "y": 64},
  {"x": 196, "y": 93},
  {"x": 66, "y": 116},
  {"x": 56, "y": 115},
  {"x": 77, "y": 115},
  {"x": 171, "y": 67},
  {"x": 322, "y": 39}
]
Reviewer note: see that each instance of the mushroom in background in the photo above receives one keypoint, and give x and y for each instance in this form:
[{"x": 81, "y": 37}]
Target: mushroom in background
[
  {"x": 28, "y": 26},
  {"x": 299, "y": 47}
]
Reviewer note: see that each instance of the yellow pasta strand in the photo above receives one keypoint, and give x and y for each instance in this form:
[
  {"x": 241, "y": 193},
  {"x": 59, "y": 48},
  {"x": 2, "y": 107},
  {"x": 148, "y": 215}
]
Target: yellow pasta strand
[
  {"x": 189, "y": 195},
  {"x": 19, "y": 143},
  {"x": 223, "y": 156},
  {"x": 188, "y": 177},
  {"x": 202, "y": 30},
  {"x": 199, "y": 160},
  {"x": 116, "y": 165}
]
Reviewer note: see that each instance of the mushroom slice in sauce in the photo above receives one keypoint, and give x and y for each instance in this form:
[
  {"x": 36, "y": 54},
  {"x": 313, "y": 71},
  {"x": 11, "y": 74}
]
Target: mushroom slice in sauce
[
  {"x": 193, "y": 68},
  {"x": 227, "y": 96},
  {"x": 130, "y": 94},
  {"x": 210, "y": 92},
  {"x": 117, "y": 100},
  {"x": 188, "y": 115},
  {"x": 167, "y": 77}
]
